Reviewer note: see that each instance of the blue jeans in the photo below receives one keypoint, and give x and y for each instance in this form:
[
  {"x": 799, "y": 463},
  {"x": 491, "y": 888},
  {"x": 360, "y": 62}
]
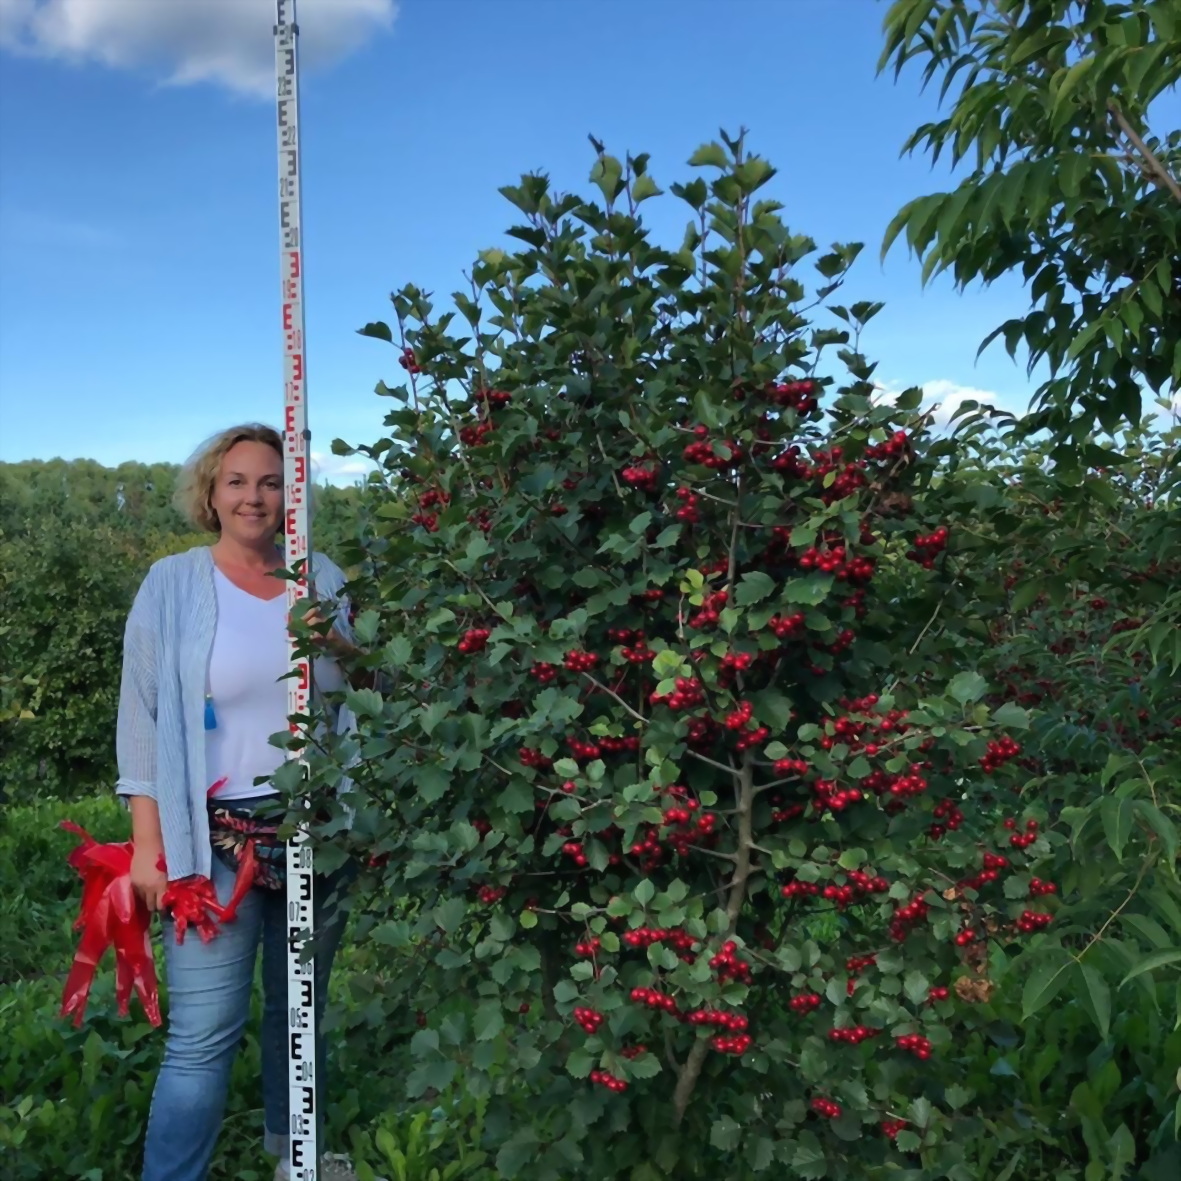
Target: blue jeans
[{"x": 209, "y": 987}]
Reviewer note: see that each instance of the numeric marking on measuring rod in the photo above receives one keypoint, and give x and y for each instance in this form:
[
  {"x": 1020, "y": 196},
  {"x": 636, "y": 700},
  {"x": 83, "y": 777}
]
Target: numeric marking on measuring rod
[{"x": 301, "y": 976}]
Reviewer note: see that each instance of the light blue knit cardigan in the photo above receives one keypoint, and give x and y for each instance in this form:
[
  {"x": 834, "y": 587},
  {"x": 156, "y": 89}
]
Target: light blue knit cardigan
[{"x": 160, "y": 736}]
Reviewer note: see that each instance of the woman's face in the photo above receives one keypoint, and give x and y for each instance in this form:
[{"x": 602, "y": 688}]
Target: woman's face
[{"x": 248, "y": 494}]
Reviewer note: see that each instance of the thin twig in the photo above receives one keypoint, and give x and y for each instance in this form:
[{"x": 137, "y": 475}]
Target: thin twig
[
  {"x": 712, "y": 762},
  {"x": 611, "y": 693}
]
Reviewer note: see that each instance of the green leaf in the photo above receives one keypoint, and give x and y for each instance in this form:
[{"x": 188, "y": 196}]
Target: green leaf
[
  {"x": 378, "y": 331},
  {"x": 607, "y": 173},
  {"x": 1011, "y": 716},
  {"x": 1117, "y": 815},
  {"x": 644, "y": 892},
  {"x": 967, "y": 687},
  {"x": 644, "y": 187},
  {"x": 579, "y": 1063},
  {"x": 956, "y": 1096},
  {"x": 1160, "y": 824},
  {"x": 449, "y": 914},
  {"x": 810, "y": 591},
  {"x": 709, "y": 155},
  {"x": 772, "y": 708},
  {"x": 488, "y": 1021},
  {"x": 753, "y": 588},
  {"x": 1045, "y": 981},
  {"x": 808, "y": 1160},
  {"x": 431, "y": 783},
  {"x": 725, "y": 1134},
  {"x": 1097, "y": 997},
  {"x": 1158, "y": 959}
]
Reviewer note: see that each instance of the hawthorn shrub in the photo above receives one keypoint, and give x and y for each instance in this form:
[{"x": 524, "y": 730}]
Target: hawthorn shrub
[{"x": 673, "y": 785}]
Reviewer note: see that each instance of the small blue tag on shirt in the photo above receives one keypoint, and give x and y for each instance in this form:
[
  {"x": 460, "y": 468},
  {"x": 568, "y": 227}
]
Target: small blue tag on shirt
[{"x": 210, "y": 716}]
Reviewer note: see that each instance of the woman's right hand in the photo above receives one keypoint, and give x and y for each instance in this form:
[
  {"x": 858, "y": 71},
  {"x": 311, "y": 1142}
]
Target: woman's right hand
[{"x": 148, "y": 880}]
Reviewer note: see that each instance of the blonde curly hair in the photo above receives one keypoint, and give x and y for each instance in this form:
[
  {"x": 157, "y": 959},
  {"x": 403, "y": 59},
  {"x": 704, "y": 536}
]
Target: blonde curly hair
[{"x": 194, "y": 489}]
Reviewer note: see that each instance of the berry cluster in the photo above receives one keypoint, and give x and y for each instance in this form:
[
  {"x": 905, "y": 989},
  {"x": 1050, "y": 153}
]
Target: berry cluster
[
  {"x": 734, "y": 1022},
  {"x": 806, "y": 1002},
  {"x": 702, "y": 451},
  {"x": 1032, "y": 920},
  {"x": 680, "y": 941},
  {"x": 494, "y": 399},
  {"x": 906, "y": 918},
  {"x": 928, "y": 547},
  {"x": 630, "y": 1052},
  {"x": 786, "y": 767},
  {"x": 858, "y": 886},
  {"x": 998, "y": 753},
  {"x": 647, "y": 479},
  {"x": 738, "y": 718},
  {"x": 1022, "y": 840},
  {"x": 679, "y": 835},
  {"x": 534, "y": 758},
  {"x": 1037, "y": 888},
  {"x": 826, "y": 1108},
  {"x": 831, "y": 797},
  {"x": 711, "y": 610},
  {"x": 407, "y": 361},
  {"x": 475, "y": 639},
  {"x": 786, "y": 627},
  {"x": 575, "y": 851},
  {"x": 584, "y": 752},
  {"x": 733, "y": 1043},
  {"x": 655, "y": 999},
  {"x": 589, "y": 1019},
  {"x": 948, "y": 818},
  {"x": 588, "y": 948},
  {"x": 895, "y": 445},
  {"x": 727, "y": 964},
  {"x": 579, "y": 662},
  {"x": 605, "y": 1079},
  {"x": 543, "y": 673},
  {"x": 993, "y": 864},
  {"x": 615, "y": 745},
  {"x": 799, "y": 396},
  {"x": 752, "y": 738},
  {"x": 891, "y": 1128},
  {"x": 916, "y": 1044},
  {"x": 938, "y": 993},
  {"x": 475, "y": 434},
  {"x": 800, "y": 890},
  {"x": 490, "y": 894},
  {"x": 736, "y": 662},
  {"x": 688, "y": 694},
  {"x": 852, "y": 1035},
  {"x": 688, "y": 511}
]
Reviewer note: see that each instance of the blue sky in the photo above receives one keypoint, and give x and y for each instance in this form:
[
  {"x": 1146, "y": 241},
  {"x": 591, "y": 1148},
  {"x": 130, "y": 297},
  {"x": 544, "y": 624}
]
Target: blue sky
[{"x": 138, "y": 235}]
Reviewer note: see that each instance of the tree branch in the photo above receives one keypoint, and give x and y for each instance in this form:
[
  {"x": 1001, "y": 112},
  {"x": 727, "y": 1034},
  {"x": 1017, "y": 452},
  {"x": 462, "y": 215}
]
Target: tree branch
[
  {"x": 691, "y": 1071},
  {"x": 1151, "y": 164}
]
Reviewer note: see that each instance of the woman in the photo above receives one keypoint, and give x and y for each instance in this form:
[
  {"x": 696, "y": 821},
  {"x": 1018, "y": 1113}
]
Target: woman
[{"x": 205, "y": 648}]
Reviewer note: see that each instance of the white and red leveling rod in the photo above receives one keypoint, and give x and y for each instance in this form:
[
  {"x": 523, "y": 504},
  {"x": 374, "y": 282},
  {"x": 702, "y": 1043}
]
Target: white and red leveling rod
[{"x": 301, "y": 978}]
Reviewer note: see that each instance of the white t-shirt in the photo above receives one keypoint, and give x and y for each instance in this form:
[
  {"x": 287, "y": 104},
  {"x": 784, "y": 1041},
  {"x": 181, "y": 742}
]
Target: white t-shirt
[{"x": 249, "y": 700}]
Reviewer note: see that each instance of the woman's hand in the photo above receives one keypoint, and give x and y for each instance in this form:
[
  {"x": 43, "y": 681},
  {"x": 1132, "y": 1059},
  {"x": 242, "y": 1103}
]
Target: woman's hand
[
  {"x": 333, "y": 643},
  {"x": 148, "y": 880}
]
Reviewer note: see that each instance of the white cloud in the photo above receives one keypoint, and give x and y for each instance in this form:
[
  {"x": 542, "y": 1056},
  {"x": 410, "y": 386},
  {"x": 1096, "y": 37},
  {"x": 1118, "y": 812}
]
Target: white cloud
[
  {"x": 341, "y": 470},
  {"x": 943, "y": 398},
  {"x": 229, "y": 42}
]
